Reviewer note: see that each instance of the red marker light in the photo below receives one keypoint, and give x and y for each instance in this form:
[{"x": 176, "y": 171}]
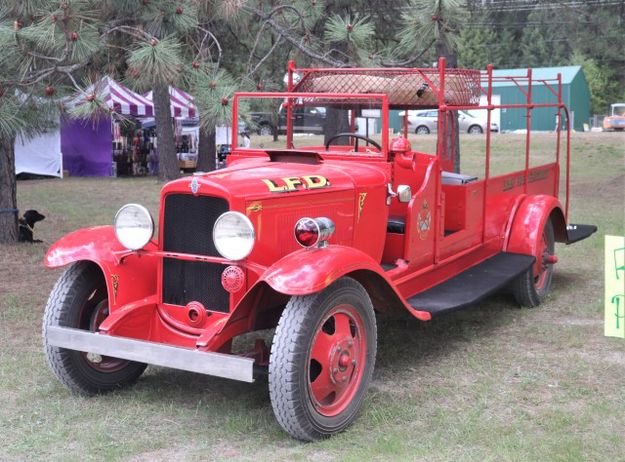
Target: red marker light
[
  {"x": 313, "y": 231},
  {"x": 306, "y": 232}
]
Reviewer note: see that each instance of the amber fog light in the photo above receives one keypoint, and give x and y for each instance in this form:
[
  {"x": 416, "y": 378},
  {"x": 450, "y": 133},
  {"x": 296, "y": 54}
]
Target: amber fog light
[{"x": 313, "y": 231}]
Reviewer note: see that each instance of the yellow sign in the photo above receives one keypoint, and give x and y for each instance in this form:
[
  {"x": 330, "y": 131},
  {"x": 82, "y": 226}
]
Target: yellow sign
[
  {"x": 296, "y": 183},
  {"x": 615, "y": 286}
]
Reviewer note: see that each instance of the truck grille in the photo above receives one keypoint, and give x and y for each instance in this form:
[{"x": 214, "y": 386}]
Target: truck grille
[{"x": 188, "y": 228}]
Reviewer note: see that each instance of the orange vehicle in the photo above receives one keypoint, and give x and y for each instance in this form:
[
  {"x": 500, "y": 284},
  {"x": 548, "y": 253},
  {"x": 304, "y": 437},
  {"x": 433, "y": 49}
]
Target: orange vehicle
[{"x": 616, "y": 120}]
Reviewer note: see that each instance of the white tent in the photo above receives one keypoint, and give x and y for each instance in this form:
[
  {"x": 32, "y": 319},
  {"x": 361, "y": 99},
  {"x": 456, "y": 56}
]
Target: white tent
[{"x": 40, "y": 155}]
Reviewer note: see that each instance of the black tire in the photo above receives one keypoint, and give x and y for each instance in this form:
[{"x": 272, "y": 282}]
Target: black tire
[
  {"x": 77, "y": 300},
  {"x": 475, "y": 130},
  {"x": 265, "y": 130},
  {"x": 422, "y": 130},
  {"x": 529, "y": 289},
  {"x": 291, "y": 364}
]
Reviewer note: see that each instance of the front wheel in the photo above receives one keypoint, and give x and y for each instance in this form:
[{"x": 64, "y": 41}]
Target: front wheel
[
  {"x": 265, "y": 130},
  {"x": 475, "y": 130},
  {"x": 322, "y": 359},
  {"x": 80, "y": 300},
  {"x": 422, "y": 130},
  {"x": 531, "y": 288}
]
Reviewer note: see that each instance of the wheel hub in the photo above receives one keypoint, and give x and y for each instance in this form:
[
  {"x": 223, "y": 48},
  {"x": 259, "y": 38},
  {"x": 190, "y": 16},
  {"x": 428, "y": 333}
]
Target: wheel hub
[{"x": 341, "y": 362}]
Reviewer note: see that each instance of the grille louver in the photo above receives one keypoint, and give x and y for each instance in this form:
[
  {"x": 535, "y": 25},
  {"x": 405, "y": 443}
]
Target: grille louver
[{"x": 188, "y": 228}]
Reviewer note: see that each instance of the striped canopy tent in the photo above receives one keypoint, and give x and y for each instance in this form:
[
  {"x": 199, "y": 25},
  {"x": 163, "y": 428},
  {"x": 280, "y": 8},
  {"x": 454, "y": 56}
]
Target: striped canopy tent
[
  {"x": 117, "y": 97},
  {"x": 182, "y": 105},
  {"x": 87, "y": 143}
]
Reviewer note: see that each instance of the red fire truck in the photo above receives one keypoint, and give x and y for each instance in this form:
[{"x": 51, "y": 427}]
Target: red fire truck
[{"x": 312, "y": 241}]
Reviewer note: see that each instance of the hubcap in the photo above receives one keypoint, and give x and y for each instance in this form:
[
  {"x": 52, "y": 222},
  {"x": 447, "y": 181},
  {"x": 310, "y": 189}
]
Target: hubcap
[
  {"x": 547, "y": 259},
  {"x": 96, "y": 361},
  {"x": 337, "y": 360}
]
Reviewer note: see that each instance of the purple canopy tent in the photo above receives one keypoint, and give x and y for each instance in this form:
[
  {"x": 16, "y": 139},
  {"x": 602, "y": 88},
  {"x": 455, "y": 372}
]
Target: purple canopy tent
[{"x": 87, "y": 145}]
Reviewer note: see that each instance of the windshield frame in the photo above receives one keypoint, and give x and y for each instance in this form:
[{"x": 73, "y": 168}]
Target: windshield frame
[
  {"x": 618, "y": 110},
  {"x": 383, "y": 98}
]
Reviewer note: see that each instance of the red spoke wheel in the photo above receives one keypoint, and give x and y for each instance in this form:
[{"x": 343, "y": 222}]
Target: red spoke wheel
[
  {"x": 80, "y": 300},
  {"x": 531, "y": 288},
  {"x": 322, "y": 359},
  {"x": 91, "y": 318}
]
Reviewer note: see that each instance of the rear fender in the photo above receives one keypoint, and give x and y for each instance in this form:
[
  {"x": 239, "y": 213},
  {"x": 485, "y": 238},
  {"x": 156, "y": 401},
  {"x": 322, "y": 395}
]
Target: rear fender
[
  {"x": 529, "y": 221},
  {"x": 127, "y": 280}
]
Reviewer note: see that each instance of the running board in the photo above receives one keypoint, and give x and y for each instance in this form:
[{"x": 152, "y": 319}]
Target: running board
[
  {"x": 158, "y": 354},
  {"x": 576, "y": 233},
  {"x": 473, "y": 284}
]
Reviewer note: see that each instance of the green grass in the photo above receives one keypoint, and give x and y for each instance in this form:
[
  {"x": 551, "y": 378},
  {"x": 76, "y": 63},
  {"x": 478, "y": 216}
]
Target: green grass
[{"x": 494, "y": 383}]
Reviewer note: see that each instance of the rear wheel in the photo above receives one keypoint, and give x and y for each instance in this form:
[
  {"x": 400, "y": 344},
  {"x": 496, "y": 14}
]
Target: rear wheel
[
  {"x": 265, "y": 130},
  {"x": 475, "y": 130},
  {"x": 531, "y": 288},
  {"x": 80, "y": 300},
  {"x": 322, "y": 359},
  {"x": 422, "y": 130}
]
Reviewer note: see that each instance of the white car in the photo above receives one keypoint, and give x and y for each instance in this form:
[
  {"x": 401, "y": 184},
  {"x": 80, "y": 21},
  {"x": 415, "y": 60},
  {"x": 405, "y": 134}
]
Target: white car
[{"x": 424, "y": 122}]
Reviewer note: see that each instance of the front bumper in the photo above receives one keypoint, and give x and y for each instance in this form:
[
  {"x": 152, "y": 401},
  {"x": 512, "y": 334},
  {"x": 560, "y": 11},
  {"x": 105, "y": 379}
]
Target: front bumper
[{"x": 158, "y": 354}]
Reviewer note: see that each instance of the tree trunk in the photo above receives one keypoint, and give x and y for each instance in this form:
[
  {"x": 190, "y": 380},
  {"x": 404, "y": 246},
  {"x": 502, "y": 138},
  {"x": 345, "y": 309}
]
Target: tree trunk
[
  {"x": 337, "y": 121},
  {"x": 206, "y": 151},
  {"x": 451, "y": 147},
  {"x": 167, "y": 160},
  {"x": 8, "y": 196}
]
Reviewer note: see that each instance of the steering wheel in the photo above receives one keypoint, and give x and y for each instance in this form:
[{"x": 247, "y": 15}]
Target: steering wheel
[{"x": 356, "y": 137}]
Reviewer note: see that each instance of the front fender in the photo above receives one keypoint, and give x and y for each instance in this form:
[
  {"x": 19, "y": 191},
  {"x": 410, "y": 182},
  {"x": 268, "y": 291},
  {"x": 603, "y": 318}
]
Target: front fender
[
  {"x": 127, "y": 280},
  {"x": 310, "y": 270},
  {"x": 529, "y": 221}
]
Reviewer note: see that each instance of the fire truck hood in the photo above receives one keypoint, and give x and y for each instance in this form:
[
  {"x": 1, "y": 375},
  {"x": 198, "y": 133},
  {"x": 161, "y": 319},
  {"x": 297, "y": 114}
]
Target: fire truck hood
[{"x": 258, "y": 179}]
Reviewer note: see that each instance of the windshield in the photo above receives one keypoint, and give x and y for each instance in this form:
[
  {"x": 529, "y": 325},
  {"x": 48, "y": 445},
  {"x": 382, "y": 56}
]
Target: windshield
[
  {"x": 346, "y": 125},
  {"x": 618, "y": 110}
]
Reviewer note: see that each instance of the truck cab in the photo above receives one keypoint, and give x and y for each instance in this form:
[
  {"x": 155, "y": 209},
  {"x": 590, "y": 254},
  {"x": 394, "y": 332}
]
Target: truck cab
[{"x": 616, "y": 120}]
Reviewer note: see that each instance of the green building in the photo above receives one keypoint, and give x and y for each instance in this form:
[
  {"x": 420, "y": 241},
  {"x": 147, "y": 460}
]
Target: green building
[{"x": 575, "y": 95}]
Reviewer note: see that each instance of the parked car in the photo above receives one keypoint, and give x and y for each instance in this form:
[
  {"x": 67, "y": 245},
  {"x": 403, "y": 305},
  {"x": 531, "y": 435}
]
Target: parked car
[
  {"x": 616, "y": 120},
  {"x": 306, "y": 119},
  {"x": 426, "y": 122}
]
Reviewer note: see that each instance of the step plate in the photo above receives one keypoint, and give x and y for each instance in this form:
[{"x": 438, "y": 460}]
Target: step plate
[
  {"x": 472, "y": 284},
  {"x": 576, "y": 233}
]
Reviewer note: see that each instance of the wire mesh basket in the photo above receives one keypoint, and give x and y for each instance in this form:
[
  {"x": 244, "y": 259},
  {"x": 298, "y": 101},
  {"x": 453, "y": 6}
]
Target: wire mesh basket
[{"x": 405, "y": 88}]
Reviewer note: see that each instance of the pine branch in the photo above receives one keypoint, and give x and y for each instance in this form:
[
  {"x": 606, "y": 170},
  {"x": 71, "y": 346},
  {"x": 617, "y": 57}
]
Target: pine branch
[{"x": 282, "y": 30}]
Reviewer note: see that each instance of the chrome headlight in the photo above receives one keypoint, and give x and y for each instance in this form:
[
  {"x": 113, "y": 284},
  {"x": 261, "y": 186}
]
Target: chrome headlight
[
  {"x": 134, "y": 226},
  {"x": 233, "y": 236}
]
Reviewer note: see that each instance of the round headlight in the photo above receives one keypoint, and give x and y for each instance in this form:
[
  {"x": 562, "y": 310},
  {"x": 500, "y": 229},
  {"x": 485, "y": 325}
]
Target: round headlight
[
  {"x": 234, "y": 235},
  {"x": 134, "y": 226}
]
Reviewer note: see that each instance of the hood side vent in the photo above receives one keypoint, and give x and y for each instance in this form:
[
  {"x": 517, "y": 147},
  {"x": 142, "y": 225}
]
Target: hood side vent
[{"x": 295, "y": 157}]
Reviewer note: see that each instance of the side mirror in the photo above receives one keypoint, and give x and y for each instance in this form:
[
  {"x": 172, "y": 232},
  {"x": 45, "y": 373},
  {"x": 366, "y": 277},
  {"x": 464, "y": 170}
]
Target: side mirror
[{"x": 404, "y": 193}]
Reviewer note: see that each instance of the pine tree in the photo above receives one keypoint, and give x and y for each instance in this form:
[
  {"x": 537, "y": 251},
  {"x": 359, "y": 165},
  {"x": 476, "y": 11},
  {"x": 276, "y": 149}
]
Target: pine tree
[
  {"x": 51, "y": 49},
  {"x": 542, "y": 44},
  {"x": 436, "y": 23},
  {"x": 44, "y": 48}
]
